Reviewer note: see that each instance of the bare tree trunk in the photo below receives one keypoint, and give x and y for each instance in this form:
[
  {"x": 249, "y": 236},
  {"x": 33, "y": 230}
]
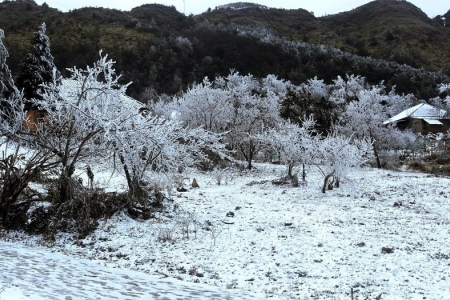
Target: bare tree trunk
[
  {"x": 290, "y": 167},
  {"x": 250, "y": 158},
  {"x": 325, "y": 181},
  {"x": 64, "y": 184},
  {"x": 248, "y": 155},
  {"x": 303, "y": 173},
  {"x": 375, "y": 151},
  {"x": 136, "y": 192}
]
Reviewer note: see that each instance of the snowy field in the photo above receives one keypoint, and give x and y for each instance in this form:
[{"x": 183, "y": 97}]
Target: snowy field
[
  {"x": 38, "y": 274},
  {"x": 382, "y": 232}
]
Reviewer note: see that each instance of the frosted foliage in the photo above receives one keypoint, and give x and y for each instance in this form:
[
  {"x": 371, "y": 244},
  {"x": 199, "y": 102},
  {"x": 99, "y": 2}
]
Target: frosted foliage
[
  {"x": 316, "y": 88},
  {"x": 444, "y": 87},
  {"x": 150, "y": 146},
  {"x": 203, "y": 105},
  {"x": 8, "y": 88},
  {"x": 184, "y": 44},
  {"x": 240, "y": 85},
  {"x": 3, "y": 52},
  {"x": 240, "y": 107},
  {"x": 163, "y": 108},
  {"x": 278, "y": 86},
  {"x": 252, "y": 114},
  {"x": 339, "y": 155},
  {"x": 367, "y": 113},
  {"x": 447, "y": 101},
  {"x": 88, "y": 118},
  {"x": 363, "y": 118},
  {"x": 295, "y": 144},
  {"x": 399, "y": 103},
  {"x": 347, "y": 89},
  {"x": 4, "y": 71},
  {"x": 13, "y": 118},
  {"x": 37, "y": 68}
]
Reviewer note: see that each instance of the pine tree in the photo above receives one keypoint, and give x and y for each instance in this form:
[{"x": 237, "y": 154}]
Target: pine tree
[
  {"x": 37, "y": 68},
  {"x": 8, "y": 89},
  {"x": 7, "y": 86}
]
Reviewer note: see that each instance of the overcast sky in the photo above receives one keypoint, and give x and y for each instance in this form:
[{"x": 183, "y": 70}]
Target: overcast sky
[{"x": 320, "y": 7}]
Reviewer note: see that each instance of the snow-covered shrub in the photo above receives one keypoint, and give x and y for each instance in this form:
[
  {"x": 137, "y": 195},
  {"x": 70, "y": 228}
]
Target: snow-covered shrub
[
  {"x": 18, "y": 167},
  {"x": 337, "y": 155},
  {"x": 295, "y": 144},
  {"x": 166, "y": 233},
  {"x": 219, "y": 175}
]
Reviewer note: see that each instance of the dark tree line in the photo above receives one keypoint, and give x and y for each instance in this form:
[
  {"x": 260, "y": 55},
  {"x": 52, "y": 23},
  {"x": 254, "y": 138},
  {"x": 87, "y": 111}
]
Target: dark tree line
[{"x": 175, "y": 52}]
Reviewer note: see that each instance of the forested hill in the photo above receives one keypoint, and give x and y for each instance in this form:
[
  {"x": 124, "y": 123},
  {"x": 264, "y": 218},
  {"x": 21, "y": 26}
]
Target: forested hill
[{"x": 157, "y": 46}]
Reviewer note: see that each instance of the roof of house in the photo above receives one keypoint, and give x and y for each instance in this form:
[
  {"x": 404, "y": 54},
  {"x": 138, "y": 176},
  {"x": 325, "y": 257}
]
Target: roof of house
[
  {"x": 421, "y": 111},
  {"x": 123, "y": 99}
]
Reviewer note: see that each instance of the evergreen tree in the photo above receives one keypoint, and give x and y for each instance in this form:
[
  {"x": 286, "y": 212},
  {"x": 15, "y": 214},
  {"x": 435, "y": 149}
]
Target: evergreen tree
[
  {"x": 37, "y": 68},
  {"x": 8, "y": 89}
]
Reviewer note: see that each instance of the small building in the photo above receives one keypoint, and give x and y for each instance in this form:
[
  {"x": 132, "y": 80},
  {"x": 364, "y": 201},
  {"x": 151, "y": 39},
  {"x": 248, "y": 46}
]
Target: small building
[
  {"x": 73, "y": 90},
  {"x": 422, "y": 118}
]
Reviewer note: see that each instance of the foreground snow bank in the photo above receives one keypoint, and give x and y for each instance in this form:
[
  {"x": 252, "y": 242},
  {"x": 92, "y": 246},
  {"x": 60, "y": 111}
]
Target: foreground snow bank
[
  {"x": 382, "y": 232},
  {"x": 31, "y": 273}
]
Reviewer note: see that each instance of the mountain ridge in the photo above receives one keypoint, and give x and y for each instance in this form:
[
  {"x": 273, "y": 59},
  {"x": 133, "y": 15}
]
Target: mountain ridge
[{"x": 383, "y": 29}]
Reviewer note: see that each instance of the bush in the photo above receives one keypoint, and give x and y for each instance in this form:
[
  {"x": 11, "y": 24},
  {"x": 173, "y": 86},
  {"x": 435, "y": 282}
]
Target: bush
[{"x": 417, "y": 166}]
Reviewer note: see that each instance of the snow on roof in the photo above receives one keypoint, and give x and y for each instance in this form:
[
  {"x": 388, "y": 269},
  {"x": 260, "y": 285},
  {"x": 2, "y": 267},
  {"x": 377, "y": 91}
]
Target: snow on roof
[
  {"x": 421, "y": 111},
  {"x": 433, "y": 122},
  {"x": 123, "y": 100}
]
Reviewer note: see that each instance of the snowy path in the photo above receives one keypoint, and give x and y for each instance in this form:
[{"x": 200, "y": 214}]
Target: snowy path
[{"x": 34, "y": 273}]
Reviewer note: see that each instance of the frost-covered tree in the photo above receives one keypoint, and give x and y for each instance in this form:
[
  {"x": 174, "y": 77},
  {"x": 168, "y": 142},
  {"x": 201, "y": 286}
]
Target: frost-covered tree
[
  {"x": 8, "y": 89},
  {"x": 148, "y": 147},
  {"x": 444, "y": 87},
  {"x": 278, "y": 86},
  {"x": 316, "y": 88},
  {"x": 364, "y": 117},
  {"x": 346, "y": 90},
  {"x": 89, "y": 115},
  {"x": 252, "y": 115},
  {"x": 37, "y": 67},
  {"x": 19, "y": 164},
  {"x": 239, "y": 107},
  {"x": 337, "y": 155},
  {"x": 295, "y": 144},
  {"x": 204, "y": 105}
]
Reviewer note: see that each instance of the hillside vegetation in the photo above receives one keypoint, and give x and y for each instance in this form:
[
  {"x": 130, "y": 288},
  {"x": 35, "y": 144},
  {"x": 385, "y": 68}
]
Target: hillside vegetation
[{"x": 156, "y": 46}]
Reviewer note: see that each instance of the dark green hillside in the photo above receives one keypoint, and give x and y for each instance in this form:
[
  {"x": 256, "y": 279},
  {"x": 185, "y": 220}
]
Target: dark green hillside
[
  {"x": 157, "y": 46},
  {"x": 394, "y": 30},
  {"x": 296, "y": 24}
]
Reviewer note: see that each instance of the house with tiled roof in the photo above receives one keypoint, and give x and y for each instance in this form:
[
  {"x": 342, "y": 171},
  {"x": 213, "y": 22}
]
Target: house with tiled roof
[{"x": 422, "y": 118}]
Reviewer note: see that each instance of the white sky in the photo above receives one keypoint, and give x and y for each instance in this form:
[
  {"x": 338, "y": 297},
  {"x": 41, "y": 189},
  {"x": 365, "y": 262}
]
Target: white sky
[{"x": 320, "y": 7}]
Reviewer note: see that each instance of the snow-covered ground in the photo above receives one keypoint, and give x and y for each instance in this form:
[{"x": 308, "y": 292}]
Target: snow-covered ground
[
  {"x": 382, "y": 232},
  {"x": 30, "y": 273}
]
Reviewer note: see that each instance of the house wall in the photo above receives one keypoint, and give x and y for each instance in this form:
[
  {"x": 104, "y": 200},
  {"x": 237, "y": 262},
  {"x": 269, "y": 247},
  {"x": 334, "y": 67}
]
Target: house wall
[
  {"x": 416, "y": 125},
  {"x": 420, "y": 126},
  {"x": 34, "y": 117}
]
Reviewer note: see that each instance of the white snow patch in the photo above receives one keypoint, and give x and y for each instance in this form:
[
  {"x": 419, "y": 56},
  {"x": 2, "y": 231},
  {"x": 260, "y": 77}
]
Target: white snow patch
[{"x": 288, "y": 243}]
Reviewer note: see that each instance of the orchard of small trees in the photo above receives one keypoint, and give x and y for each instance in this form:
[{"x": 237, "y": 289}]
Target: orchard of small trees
[{"x": 331, "y": 127}]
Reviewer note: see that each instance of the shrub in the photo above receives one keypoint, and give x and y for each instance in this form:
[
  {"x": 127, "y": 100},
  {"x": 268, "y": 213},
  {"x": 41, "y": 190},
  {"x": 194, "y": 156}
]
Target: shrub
[{"x": 417, "y": 166}]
